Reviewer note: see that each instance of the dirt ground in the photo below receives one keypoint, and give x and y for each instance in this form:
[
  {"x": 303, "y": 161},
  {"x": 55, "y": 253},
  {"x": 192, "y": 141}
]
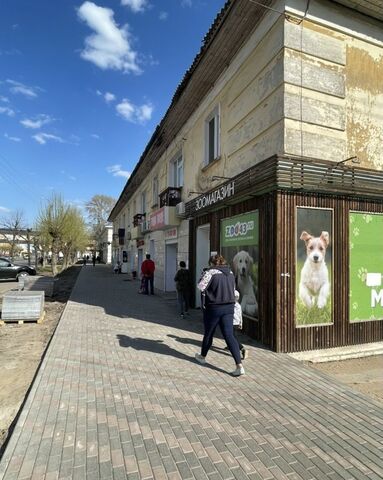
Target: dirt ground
[
  {"x": 362, "y": 374},
  {"x": 22, "y": 346}
]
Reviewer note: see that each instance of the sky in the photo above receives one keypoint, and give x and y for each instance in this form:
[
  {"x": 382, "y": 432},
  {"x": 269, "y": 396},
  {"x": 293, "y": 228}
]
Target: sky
[{"x": 83, "y": 85}]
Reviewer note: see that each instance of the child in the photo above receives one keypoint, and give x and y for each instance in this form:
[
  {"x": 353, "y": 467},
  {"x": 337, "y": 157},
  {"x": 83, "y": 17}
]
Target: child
[
  {"x": 142, "y": 285},
  {"x": 237, "y": 323}
]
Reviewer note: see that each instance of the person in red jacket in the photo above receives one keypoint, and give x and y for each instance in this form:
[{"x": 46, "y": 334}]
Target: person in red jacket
[{"x": 147, "y": 270}]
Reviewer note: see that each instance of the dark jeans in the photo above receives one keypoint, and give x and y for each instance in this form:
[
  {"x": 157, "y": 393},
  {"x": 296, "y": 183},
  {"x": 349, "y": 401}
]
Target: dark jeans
[
  {"x": 183, "y": 300},
  {"x": 221, "y": 315},
  {"x": 149, "y": 281}
]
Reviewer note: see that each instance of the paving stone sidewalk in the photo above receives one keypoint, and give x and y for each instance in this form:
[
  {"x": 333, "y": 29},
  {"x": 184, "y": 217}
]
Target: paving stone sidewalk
[{"x": 119, "y": 396}]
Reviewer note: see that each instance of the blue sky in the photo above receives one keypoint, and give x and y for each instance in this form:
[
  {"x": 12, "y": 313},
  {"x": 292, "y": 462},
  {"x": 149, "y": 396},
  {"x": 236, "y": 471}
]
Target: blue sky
[{"x": 83, "y": 85}]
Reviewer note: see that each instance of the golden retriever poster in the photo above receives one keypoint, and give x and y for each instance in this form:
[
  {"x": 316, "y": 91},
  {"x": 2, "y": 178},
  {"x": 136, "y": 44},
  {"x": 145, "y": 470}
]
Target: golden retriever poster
[
  {"x": 313, "y": 266},
  {"x": 239, "y": 245}
]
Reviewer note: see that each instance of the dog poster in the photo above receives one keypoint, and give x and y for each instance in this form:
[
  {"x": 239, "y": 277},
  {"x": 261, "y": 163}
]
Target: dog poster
[
  {"x": 313, "y": 266},
  {"x": 366, "y": 266},
  {"x": 240, "y": 247}
]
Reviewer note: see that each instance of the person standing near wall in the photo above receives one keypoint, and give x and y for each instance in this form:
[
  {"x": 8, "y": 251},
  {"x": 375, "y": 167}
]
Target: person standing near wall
[
  {"x": 183, "y": 287},
  {"x": 217, "y": 286},
  {"x": 147, "y": 270}
]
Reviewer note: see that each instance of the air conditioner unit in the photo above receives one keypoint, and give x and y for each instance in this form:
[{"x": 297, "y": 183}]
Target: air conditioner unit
[{"x": 180, "y": 209}]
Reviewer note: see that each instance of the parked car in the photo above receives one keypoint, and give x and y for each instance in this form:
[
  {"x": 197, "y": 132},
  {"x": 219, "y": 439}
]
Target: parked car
[{"x": 12, "y": 271}]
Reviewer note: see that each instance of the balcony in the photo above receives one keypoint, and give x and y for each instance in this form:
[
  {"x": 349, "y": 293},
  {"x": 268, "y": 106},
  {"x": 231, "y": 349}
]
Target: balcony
[
  {"x": 164, "y": 218},
  {"x": 170, "y": 197},
  {"x": 145, "y": 227},
  {"x": 138, "y": 219}
]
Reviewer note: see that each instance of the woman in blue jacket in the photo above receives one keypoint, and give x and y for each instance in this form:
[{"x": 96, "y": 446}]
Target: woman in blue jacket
[{"x": 217, "y": 286}]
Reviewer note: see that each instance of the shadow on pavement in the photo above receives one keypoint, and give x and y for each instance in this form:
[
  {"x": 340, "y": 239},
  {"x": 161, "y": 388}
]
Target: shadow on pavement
[{"x": 158, "y": 346}]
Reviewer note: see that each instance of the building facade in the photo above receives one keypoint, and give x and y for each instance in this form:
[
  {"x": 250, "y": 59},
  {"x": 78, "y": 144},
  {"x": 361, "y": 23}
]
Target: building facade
[{"x": 271, "y": 154}]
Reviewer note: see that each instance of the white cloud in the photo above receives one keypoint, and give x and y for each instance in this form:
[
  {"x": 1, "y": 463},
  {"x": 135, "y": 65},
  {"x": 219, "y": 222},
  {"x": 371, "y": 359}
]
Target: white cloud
[
  {"x": 67, "y": 175},
  {"x": 163, "y": 15},
  {"x": 25, "y": 90},
  {"x": 116, "y": 171},
  {"x": 37, "y": 122},
  {"x": 94, "y": 135},
  {"x": 4, "y": 209},
  {"x": 109, "y": 47},
  {"x": 7, "y": 111},
  {"x": 42, "y": 138},
  {"x": 13, "y": 139},
  {"x": 134, "y": 113},
  {"x": 107, "y": 96},
  {"x": 186, "y": 3},
  {"x": 4, "y": 99},
  {"x": 135, "y": 5}
]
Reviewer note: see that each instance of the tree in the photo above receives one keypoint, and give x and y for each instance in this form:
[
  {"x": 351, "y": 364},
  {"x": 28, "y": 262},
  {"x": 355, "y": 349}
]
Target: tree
[
  {"x": 15, "y": 224},
  {"x": 98, "y": 209},
  {"x": 62, "y": 229}
]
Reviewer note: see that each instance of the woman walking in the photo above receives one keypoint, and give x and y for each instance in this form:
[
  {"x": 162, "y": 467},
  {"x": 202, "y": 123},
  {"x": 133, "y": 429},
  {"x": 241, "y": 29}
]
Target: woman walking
[{"x": 217, "y": 286}]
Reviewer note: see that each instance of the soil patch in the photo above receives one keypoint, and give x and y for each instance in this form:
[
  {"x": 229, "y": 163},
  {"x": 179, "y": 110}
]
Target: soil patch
[
  {"x": 363, "y": 374},
  {"x": 21, "y": 350}
]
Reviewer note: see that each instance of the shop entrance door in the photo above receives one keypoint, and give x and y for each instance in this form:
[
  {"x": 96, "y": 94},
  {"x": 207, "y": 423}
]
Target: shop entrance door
[
  {"x": 202, "y": 256},
  {"x": 170, "y": 266}
]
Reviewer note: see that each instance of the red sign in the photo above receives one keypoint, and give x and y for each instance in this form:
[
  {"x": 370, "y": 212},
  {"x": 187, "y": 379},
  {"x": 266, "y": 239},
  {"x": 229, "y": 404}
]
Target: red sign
[{"x": 157, "y": 219}]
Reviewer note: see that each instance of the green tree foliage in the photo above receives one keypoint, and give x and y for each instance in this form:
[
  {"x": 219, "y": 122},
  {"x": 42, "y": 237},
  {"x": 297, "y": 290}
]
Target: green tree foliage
[
  {"x": 62, "y": 229},
  {"x": 98, "y": 209}
]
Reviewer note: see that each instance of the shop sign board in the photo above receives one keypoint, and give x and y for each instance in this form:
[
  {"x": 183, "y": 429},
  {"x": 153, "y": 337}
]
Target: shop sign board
[
  {"x": 215, "y": 196},
  {"x": 366, "y": 266},
  {"x": 240, "y": 247},
  {"x": 171, "y": 234},
  {"x": 313, "y": 267},
  {"x": 157, "y": 219}
]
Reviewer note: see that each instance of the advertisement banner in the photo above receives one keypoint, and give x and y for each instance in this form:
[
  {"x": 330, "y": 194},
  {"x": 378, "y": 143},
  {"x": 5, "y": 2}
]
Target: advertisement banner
[
  {"x": 240, "y": 247},
  {"x": 366, "y": 266},
  {"x": 313, "y": 303}
]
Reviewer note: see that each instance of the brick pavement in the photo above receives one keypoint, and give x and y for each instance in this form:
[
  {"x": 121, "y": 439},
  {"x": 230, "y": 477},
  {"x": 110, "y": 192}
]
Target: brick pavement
[{"x": 119, "y": 395}]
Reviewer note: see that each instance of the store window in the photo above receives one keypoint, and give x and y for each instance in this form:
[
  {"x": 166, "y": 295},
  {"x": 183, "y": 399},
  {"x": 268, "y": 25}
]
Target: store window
[
  {"x": 313, "y": 266},
  {"x": 212, "y": 136},
  {"x": 240, "y": 247},
  {"x": 366, "y": 266}
]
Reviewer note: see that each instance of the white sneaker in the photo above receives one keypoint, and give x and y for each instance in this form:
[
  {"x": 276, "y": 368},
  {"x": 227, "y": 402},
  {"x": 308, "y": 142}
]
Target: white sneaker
[
  {"x": 238, "y": 372},
  {"x": 200, "y": 359}
]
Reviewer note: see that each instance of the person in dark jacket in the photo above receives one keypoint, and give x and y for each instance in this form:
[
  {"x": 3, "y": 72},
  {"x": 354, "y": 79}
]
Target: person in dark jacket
[
  {"x": 217, "y": 287},
  {"x": 147, "y": 270},
  {"x": 183, "y": 286}
]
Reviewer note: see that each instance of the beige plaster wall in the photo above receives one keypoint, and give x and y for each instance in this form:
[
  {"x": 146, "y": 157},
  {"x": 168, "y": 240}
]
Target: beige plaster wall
[{"x": 333, "y": 100}]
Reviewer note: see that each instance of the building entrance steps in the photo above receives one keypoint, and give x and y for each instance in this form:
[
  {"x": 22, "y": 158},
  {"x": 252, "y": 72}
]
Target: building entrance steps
[{"x": 119, "y": 395}]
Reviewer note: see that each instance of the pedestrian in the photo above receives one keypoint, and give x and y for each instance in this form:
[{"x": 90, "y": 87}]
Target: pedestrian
[
  {"x": 217, "y": 286},
  {"x": 183, "y": 287},
  {"x": 117, "y": 267},
  {"x": 147, "y": 270},
  {"x": 94, "y": 260},
  {"x": 84, "y": 260},
  {"x": 237, "y": 323}
]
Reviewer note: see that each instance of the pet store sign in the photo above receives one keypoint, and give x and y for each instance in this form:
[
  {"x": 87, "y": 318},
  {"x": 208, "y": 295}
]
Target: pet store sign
[
  {"x": 366, "y": 266},
  {"x": 240, "y": 230},
  {"x": 215, "y": 196}
]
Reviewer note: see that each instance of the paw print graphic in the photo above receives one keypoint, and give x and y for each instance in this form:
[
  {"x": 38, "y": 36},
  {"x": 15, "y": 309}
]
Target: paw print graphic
[
  {"x": 355, "y": 306},
  {"x": 367, "y": 218},
  {"x": 356, "y": 232},
  {"x": 351, "y": 245},
  {"x": 362, "y": 274}
]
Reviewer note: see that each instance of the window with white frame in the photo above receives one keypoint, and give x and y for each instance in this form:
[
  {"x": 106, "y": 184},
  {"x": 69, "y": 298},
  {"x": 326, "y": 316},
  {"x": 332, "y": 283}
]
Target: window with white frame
[
  {"x": 212, "y": 136},
  {"x": 177, "y": 171},
  {"x": 143, "y": 202},
  {"x": 155, "y": 191}
]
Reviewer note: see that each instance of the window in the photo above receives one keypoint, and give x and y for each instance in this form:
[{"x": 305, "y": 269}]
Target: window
[
  {"x": 155, "y": 191},
  {"x": 212, "y": 143},
  {"x": 177, "y": 171},
  {"x": 143, "y": 202}
]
